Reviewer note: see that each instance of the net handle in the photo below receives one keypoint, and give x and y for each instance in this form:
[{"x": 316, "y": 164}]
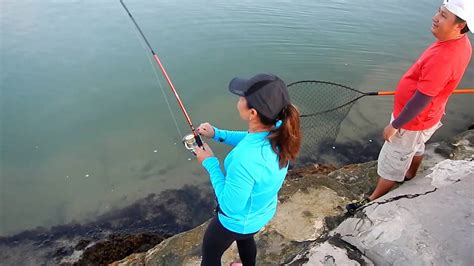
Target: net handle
[
  {"x": 375, "y": 93},
  {"x": 390, "y": 93},
  {"x": 362, "y": 94}
]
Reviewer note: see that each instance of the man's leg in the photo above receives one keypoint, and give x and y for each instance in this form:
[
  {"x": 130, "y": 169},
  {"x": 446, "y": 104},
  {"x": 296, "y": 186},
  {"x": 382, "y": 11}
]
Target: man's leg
[
  {"x": 383, "y": 186},
  {"x": 415, "y": 164},
  {"x": 393, "y": 162},
  {"x": 420, "y": 147}
]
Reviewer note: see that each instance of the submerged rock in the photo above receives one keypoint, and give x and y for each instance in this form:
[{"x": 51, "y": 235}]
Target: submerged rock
[
  {"x": 113, "y": 235},
  {"x": 117, "y": 247}
]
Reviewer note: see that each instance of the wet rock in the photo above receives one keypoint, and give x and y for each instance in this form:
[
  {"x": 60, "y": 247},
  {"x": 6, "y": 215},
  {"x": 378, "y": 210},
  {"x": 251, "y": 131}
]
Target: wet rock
[
  {"x": 458, "y": 148},
  {"x": 63, "y": 252},
  {"x": 160, "y": 215},
  {"x": 177, "y": 250},
  {"x": 82, "y": 244},
  {"x": 117, "y": 247},
  {"x": 358, "y": 179}
]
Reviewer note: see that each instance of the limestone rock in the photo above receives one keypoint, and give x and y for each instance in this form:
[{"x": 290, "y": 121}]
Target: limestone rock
[
  {"x": 416, "y": 224},
  {"x": 330, "y": 254}
]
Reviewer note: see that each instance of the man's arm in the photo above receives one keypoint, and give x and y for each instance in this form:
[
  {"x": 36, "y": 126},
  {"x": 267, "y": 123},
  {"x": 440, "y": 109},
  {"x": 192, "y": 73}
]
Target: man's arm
[{"x": 415, "y": 105}]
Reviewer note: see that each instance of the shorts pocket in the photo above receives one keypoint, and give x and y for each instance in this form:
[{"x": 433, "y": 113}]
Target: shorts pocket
[
  {"x": 400, "y": 132},
  {"x": 400, "y": 159},
  {"x": 396, "y": 163}
]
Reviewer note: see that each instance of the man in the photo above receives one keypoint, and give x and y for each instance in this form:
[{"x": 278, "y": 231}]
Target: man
[{"x": 421, "y": 97}]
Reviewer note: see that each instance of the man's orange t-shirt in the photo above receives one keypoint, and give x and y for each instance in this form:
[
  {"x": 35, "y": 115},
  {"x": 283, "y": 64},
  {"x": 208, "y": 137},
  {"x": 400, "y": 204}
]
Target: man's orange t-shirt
[{"x": 437, "y": 73}]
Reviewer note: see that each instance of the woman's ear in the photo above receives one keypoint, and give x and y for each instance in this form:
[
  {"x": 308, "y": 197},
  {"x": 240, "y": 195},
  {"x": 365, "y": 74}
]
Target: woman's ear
[{"x": 252, "y": 114}]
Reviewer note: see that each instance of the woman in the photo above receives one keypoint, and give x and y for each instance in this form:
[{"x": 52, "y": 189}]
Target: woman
[{"x": 254, "y": 169}]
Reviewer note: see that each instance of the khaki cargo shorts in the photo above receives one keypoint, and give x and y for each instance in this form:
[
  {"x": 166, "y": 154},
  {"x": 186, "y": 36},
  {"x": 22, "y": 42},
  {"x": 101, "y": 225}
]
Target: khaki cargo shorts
[{"x": 395, "y": 157}]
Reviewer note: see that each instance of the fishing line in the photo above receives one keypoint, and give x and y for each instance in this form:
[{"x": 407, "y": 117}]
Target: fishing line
[
  {"x": 161, "y": 86},
  {"x": 192, "y": 140}
]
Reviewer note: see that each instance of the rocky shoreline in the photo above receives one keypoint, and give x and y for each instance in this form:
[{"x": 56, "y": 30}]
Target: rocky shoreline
[
  {"x": 386, "y": 232},
  {"x": 154, "y": 230},
  {"x": 143, "y": 224},
  {"x": 301, "y": 218}
]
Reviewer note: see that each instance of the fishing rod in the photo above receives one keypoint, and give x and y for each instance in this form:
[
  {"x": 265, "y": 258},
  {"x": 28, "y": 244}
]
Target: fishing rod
[{"x": 191, "y": 140}]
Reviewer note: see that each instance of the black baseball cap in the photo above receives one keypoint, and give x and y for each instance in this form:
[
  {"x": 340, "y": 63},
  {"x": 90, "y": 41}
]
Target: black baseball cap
[{"x": 266, "y": 93}]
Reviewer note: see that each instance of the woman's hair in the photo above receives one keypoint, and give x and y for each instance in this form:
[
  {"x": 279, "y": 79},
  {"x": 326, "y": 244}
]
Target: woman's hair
[{"x": 285, "y": 139}]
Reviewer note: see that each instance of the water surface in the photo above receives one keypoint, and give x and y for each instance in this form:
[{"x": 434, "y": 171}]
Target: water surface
[{"x": 84, "y": 124}]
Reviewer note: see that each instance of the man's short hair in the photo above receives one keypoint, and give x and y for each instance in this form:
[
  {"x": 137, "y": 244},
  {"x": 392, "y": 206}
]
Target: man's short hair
[{"x": 460, "y": 20}]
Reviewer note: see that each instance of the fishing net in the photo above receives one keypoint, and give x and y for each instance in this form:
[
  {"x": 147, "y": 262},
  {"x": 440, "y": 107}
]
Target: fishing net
[{"x": 323, "y": 107}]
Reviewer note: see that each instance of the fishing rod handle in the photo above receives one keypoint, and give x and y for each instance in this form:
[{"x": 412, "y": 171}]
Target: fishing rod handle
[
  {"x": 390, "y": 93},
  {"x": 198, "y": 140}
]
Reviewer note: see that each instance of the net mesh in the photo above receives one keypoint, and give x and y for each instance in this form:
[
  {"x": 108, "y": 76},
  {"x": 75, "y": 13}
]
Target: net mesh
[{"x": 323, "y": 107}]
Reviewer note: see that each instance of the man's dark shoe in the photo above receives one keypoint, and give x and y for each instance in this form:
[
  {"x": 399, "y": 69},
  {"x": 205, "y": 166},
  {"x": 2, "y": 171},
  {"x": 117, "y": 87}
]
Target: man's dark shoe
[{"x": 352, "y": 207}]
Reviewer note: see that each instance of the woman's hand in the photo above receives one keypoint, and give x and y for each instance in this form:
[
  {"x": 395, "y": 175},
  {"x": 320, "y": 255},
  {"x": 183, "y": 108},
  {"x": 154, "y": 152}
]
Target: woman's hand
[
  {"x": 202, "y": 153},
  {"x": 206, "y": 130}
]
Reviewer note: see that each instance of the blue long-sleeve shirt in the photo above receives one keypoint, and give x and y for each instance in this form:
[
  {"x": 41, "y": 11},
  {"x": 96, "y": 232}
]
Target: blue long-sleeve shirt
[{"x": 247, "y": 192}]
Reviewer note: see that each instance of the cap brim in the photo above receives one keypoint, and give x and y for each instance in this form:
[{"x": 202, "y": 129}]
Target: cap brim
[{"x": 238, "y": 86}]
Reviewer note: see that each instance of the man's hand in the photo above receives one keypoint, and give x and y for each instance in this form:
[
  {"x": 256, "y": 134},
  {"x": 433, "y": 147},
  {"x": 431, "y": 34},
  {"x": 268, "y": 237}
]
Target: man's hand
[
  {"x": 202, "y": 154},
  {"x": 206, "y": 130},
  {"x": 388, "y": 132}
]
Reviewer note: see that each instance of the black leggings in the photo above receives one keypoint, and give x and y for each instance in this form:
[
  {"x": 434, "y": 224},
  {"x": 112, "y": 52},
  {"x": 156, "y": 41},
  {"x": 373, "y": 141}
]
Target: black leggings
[{"x": 218, "y": 239}]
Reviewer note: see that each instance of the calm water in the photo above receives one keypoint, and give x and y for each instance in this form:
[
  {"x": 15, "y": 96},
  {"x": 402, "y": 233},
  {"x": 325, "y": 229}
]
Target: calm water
[{"x": 85, "y": 127}]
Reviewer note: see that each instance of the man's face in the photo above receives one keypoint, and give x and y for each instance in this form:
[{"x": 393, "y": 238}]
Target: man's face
[{"x": 444, "y": 25}]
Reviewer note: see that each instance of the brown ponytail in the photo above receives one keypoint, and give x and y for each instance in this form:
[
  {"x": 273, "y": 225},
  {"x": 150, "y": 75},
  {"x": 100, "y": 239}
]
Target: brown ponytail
[{"x": 286, "y": 139}]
